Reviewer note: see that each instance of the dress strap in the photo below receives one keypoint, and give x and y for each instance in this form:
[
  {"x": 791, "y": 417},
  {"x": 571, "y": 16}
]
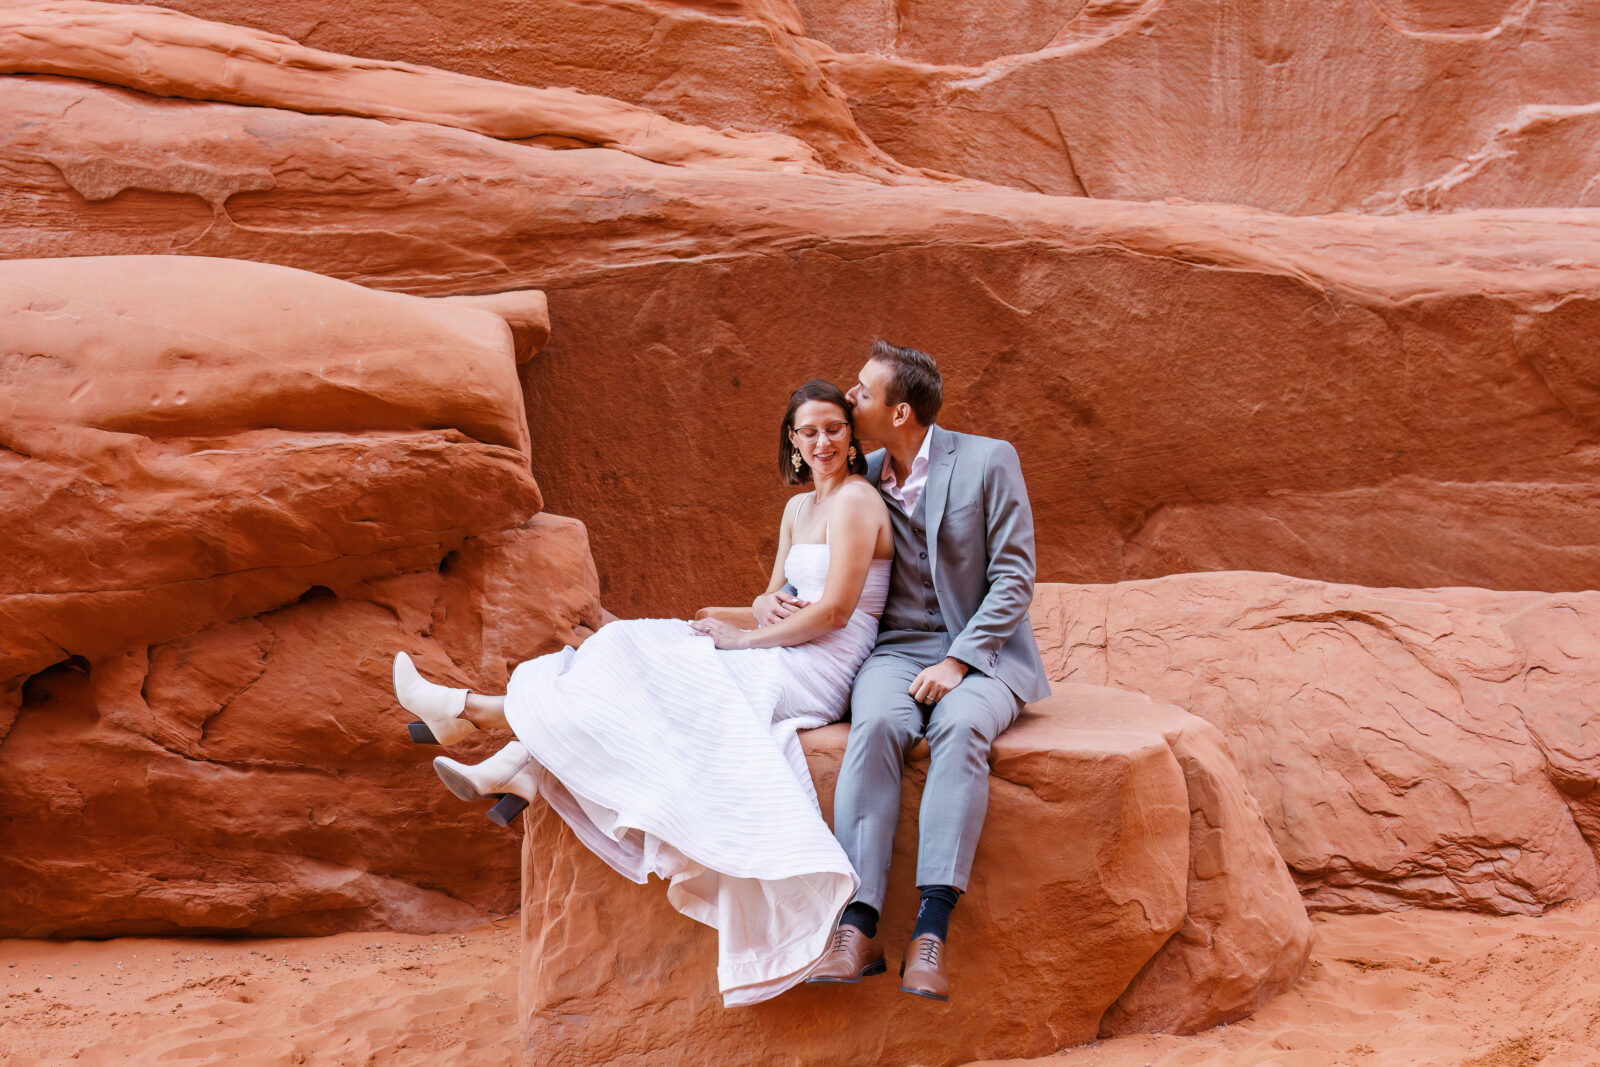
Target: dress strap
[
  {"x": 806, "y": 501},
  {"x": 811, "y": 502}
]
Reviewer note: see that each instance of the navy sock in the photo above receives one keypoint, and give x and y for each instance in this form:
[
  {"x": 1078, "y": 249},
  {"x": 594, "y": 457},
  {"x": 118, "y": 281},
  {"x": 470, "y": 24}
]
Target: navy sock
[
  {"x": 863, "y": 917},
  {"x": 933, "y": 914}
]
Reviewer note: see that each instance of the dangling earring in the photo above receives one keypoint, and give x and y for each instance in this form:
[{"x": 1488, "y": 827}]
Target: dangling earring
[
  {"x": 794, "y": 457},
  {"x": 852, "y": 453}
]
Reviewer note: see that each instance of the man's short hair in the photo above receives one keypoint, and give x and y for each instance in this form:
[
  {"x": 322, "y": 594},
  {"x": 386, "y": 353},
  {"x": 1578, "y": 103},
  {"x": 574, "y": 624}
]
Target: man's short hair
[{"x": 913, "y": 379}]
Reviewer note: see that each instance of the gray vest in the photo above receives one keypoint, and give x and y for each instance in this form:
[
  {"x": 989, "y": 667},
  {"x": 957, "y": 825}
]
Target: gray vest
[{"x": 912, "y": 602}]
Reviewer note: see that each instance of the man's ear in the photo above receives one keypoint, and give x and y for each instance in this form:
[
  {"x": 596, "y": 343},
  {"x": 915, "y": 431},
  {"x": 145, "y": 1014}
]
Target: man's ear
[{"x": 901, "y": 416}]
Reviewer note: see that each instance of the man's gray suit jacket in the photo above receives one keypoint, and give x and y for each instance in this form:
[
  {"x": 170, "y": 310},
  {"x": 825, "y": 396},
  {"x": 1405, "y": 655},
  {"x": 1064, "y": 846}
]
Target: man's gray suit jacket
[{"x": 980, "y": 547}]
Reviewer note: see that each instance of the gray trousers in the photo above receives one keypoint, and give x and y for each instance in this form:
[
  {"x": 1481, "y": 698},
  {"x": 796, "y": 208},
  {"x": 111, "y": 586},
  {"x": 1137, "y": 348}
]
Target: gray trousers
[{"x": 885, "y": 724}]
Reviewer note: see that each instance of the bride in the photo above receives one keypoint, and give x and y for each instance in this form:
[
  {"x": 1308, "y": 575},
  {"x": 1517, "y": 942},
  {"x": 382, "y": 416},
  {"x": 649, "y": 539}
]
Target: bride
[{"x": 670, "y": 748}]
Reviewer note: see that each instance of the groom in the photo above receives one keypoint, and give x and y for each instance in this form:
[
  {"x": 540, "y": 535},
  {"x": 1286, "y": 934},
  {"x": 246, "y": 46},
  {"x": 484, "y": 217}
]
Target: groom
[{"x": 954, "y": 661}]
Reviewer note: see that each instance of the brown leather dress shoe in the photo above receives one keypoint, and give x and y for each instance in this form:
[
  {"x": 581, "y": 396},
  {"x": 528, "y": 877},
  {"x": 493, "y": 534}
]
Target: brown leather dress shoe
[
  {"x": 852, "y": 956},
  {"x": 922, "y": 972}
]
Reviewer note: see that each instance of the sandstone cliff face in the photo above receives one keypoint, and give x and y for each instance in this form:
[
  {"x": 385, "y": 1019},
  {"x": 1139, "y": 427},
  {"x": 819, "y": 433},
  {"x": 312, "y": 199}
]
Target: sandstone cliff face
[
  {"x": 236, "y": 490},
  {"x": 727, "y": 65},
  {"x": 722, "y": 200},
  {"x": 1302, "y": 108},
  {"x": 1407, "y": 747},
  {"x": 1382, "y": 401},
  {"x": 1125, "y": 882}
]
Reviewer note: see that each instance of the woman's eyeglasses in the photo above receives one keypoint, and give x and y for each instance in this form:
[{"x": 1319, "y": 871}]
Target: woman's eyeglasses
[{"x": 834, "y": 431}]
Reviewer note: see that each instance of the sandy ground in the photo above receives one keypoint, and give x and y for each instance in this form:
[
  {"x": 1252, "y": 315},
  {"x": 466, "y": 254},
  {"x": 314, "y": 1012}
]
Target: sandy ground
[
  {"x": 1410, "y": 988},
  {"x": 340, "y": 1001}
]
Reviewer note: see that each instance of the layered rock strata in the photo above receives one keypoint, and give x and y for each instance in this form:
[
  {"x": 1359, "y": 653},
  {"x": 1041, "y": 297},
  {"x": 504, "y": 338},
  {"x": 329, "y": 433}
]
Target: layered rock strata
[
  {"x": 727, "y": 66},
  {"x": 1125, "y": 882},
  {"x": 256, "y": 776},
  {"x": 197, "y": 440},
  {"x": 1302, "y": 108},
  {"x": 237, "y": 490},
  {"x": 1382, "y": 401},
  {"x": 169, "y": 54},
  {"x": 1407, "y": 747},
  {"x": 1391, "y": 401}
]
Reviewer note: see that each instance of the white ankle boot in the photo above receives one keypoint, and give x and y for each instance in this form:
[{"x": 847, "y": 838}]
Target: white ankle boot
[
  {"x": 438, "y": 706},
  {"x": 509, "y": 775}
]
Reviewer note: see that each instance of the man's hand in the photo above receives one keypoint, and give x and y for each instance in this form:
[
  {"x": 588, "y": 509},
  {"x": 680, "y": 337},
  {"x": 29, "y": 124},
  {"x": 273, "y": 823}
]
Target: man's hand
[
  {"x": 770, "y": 607},
  {"x": 934, "y": 682},
  {"x": 722, "y": 634}
]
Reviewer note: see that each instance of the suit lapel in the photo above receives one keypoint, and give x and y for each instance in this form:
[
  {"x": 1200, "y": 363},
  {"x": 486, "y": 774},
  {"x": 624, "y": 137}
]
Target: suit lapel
[
  {"x": 875, "y": 462},
  {"x": 941, "y": 461}
]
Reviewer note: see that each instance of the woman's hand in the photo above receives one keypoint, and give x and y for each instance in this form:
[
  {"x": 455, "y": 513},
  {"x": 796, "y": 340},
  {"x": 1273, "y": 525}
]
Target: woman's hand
[
  {"x": 770, "y": 607},
  {"x": 723, "y": 634}
]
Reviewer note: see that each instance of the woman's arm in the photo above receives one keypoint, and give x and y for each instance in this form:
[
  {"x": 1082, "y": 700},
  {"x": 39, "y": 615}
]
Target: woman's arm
[
  {"x": 852, "y": 542},
  {"x": 771, "y": 606}
]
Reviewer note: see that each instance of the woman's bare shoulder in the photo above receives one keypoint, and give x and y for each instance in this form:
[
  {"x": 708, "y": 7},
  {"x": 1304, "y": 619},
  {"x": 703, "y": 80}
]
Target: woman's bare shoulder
[
  {"x": 791, "y": 508},
  {"x": 859, "y": 495}
]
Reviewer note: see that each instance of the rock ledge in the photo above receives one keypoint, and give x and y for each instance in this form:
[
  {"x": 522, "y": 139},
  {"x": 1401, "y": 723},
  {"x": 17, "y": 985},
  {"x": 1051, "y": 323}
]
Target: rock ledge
[{"x": 1125, "y": 883}]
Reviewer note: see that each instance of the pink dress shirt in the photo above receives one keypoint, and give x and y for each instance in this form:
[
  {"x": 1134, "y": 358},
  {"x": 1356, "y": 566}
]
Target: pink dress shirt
[{"x": 907, "y": 495}]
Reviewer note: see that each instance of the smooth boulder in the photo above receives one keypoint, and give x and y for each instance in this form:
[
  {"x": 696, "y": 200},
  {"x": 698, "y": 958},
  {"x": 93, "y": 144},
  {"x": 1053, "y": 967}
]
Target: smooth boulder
[
  {"x": 1124, "y": 882},
  {"x": 245, "y": 488},
  {"x": 199, "y": 440}
]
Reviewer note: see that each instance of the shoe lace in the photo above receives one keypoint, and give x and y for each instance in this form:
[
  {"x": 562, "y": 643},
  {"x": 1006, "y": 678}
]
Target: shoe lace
[
  {"x": 841, "y": 938},
  {"x": 928, "y": 952}
]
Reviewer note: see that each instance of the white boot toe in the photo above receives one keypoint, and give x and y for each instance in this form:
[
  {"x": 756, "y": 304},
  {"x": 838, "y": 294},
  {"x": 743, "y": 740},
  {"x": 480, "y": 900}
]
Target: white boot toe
[{"x": 438, "y": 706}]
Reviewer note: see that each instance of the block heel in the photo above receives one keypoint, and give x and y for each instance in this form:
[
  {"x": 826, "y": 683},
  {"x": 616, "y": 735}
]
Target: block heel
[
  {"x": 420, "y": 734},
  {"x": 508, "y": 807},
  {"x": 509, "y": 777}
]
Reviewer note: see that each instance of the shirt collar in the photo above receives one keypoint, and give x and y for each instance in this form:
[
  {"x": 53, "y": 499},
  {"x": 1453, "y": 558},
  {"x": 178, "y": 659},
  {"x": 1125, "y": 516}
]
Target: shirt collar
[{"x": 918, "y": 462}]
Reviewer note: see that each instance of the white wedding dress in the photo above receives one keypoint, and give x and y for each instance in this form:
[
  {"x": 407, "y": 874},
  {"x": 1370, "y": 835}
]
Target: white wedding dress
[{"x": 669, "y": 756}]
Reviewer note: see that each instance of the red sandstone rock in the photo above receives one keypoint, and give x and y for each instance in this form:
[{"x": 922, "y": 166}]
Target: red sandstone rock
[
  {"x": 1244, "y": 938},
  {"x": 1304, "y": 108},
  {"x": 1407, "y": 747},
  {"x": 1095, "y": 890},
  {"x": 1401, "y": 400},
  {"x": 170, "y": 54},
  {"x": 732, "y": 65},
  {"x": 1544, "y": 155},
  {"x": 1299, "y": 107},
  {"x": 199, "y": 440},
  {"x": 526, "y": 311},
  {"x": 1189, "y": 386},
  {"x": 239, "y": 489},
  {"x": 208, "y": 347},
  {"x": 256, "y": 776}
]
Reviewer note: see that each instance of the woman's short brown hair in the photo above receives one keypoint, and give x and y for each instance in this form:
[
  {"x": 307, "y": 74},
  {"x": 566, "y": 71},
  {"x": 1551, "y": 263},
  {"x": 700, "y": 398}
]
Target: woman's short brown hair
[{"x": 828, "y": 393}]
